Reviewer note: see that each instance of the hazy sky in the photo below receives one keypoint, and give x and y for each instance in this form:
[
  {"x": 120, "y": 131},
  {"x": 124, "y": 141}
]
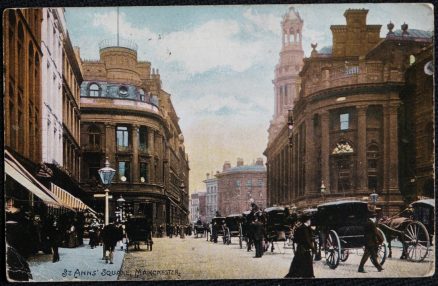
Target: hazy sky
[{"x": 218, "y": 63}]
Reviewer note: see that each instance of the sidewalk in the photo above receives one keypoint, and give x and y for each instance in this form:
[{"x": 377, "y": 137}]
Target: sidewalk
[{"x": 76, "y": 264}]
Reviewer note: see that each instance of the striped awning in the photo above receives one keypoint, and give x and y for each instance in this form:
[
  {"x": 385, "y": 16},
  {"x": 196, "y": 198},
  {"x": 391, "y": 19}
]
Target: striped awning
[
  {"x": 17, "y": 172},
  {"x": 69, "y": 200}
]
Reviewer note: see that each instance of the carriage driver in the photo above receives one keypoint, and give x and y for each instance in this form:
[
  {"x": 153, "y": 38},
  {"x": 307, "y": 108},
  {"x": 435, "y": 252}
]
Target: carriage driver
[{"x": 372, "y": 241}]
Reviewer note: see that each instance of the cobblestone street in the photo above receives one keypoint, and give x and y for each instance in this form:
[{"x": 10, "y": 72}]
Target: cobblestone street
[{"x": 195, "y": 258}]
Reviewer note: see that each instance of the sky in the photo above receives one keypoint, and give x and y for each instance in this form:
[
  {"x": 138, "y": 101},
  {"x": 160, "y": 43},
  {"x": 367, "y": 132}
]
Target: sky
[{"x": 218, "y": 62}]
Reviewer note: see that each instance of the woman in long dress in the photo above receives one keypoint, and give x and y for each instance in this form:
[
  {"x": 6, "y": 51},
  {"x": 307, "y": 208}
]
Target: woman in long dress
[{"x": 302, "y": 263}]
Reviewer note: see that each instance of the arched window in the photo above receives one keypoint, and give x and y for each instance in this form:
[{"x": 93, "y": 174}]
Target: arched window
[
  {"x": 30, "y": 73},
  {"x": 11, "y": 42},
  {"x": 94, "y": 136},
  {"x": 142, "y": 95},
  {"x": 373, "y": 159},
  {"x": 94, "y": 90},
  {"x": 21, "y": 62},
  {"x": 12, "y": 112}
]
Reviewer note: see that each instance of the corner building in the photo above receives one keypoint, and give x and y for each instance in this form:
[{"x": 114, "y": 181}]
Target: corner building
[
  {"x": 346, "y": 121},
  {"x": 239, "y": 185},
  {"x": 127, "y": 117}
]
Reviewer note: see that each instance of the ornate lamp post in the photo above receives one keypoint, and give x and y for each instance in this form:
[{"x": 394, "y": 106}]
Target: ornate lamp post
[
  {"x": 106, "y": 175},
  {"x": 373, "y": 198},
  {"x": 323, "y": 189}
]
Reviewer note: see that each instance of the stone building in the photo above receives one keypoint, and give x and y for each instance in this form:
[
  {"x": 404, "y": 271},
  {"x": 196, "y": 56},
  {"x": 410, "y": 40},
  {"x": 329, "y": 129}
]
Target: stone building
[
  {"x": 127, "y": 117},
  {"x": 22, "y": 57},
  {"x": 211, "y": 196},
  {"x": 198, "y": 206},
  {"x": 345, "y": 122},
  {"x": 52, "y": 45},
  {"x": 239, "y": 185},
  {"x": 22, "y": 82}
]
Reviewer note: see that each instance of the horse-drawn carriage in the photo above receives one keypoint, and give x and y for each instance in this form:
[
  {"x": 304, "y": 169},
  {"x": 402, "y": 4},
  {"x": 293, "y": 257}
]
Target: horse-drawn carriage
[
  {"x": 278, "y": 223},
  {"x": 340, "y": 229},
  {"x": 234, "y": 224},
  {"x": 138, "y": 229},
  {"x": 199, "y": 228},
  {"x": 414, "y": 228}
]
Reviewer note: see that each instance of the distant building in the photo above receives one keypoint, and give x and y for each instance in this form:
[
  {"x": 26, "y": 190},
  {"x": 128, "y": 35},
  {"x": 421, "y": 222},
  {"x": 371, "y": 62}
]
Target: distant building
[
  {"x": 197, "y": 206},
  {"x": 239, "y": 185},
  {"x": 212, "y": 196}
]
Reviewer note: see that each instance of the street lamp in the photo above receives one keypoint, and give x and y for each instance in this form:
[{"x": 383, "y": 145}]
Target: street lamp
[
  {"x": 121, "y": 203},
  {"x": 290, "y": 125},
  {"x": 106, "y": 175},
  {"x": 323, "y": 189},
  {"x": 373, "y": 198}
]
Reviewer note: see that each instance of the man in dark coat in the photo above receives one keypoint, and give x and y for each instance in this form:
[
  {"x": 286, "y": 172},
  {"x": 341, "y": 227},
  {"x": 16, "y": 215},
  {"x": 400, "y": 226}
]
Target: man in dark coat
[
  {"x": 302, "y": 263},
  {"x": 54, "y": 236},
  {"x": 372, "y": 242},
  {"x": 110, "y": 236},
  {"x": 258, "y": 235}
]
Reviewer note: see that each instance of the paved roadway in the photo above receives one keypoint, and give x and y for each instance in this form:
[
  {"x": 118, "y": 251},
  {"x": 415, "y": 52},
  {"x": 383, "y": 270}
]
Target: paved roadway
[{"x": 195, "y": 258}]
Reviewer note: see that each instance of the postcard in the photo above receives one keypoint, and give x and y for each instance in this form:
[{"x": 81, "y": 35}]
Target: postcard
[{"x": 148, "y": 143}]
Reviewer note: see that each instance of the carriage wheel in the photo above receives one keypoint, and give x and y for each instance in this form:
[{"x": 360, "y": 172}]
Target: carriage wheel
[
  {"x": 344, "y": 255},
  {"x": 416, "y": 241},
  {"x": 382, "y": 249},
  {"x": 332, "y": 249}
]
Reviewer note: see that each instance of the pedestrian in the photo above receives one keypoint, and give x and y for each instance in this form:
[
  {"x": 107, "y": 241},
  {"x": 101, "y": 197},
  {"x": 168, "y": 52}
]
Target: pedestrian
[
  {"x": 93, "y": 232},
  {"x": 54, "y": 237},
  {"x": 302, "y": 263},
  {"x": 258, "y": 235},
  {"x": 214, "y": 232},
  {"x": 110, "y": 236},
  {"x": 372, "y": 241}
]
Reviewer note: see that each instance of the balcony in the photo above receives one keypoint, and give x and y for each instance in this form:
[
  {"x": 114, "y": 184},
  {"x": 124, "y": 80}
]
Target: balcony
[
  {"x": 124, "y": 149},
  {"x": 92, "y": 148},
  {"x": 343, "y": 74},
  {"x": 143, "y": 149}
]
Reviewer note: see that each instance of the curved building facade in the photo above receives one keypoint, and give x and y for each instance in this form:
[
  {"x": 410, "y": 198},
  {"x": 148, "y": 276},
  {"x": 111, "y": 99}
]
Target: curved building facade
[
  {"x": 127, "y": 117},
  {"x": 347, "y": 121}
]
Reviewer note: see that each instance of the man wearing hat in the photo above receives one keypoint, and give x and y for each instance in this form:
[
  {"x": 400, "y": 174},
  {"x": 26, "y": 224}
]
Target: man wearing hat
[
  {"x": 302, "y": 263},
  {"x": 372, "y": 241},
  {"x": 258, "y": 235}
]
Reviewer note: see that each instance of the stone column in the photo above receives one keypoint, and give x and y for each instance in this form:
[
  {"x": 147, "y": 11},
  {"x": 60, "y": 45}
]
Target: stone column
[
  {"x": 135, "y": 146},
  {"x": 362, "y": 174},
  {"x": 325, "y": 149},
  {"x": 310, "y": 157},
  {"x": 110, "y": 144},
  {"x": 151, "y": 151},
  {"x": 393, "y": 154}
]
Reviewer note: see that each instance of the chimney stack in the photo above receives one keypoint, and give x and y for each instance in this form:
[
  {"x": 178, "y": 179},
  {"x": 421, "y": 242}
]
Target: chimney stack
[
  {"x": 227, "y": 165},
  {"x": 239, "y": 162},
  {"x": 259, "y": 162}
]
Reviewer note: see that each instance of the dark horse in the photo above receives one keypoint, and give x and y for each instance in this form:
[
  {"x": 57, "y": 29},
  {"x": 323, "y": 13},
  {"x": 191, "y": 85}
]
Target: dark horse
[{"x": 393, "y": 228}]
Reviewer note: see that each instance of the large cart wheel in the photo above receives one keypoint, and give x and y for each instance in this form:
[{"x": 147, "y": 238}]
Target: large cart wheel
[
  {"x": 344, "y": 255},
  {"x": 382, "y": 250},
  {"x": 332, "y": 249},
  {"x": 416, "y": 241}
]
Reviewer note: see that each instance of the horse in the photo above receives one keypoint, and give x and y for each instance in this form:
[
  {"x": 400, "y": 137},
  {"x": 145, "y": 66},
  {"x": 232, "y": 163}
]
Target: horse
[{"x": 393, "y": 228}]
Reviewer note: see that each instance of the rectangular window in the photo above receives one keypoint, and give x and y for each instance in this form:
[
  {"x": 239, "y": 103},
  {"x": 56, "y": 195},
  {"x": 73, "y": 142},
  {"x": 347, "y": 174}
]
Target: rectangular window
[
  {"x": 124, "y": 171},
  {"x": 248, "y": 183},
  {"x": 344, "y": 120},
  {"x": 260, "y": 182},
  {"x": 372, "y": 183},
  {"x": 122, "y": 138},
  {"x": 238, "y": 183},
  {"x": 143, "y": 139},
  {"x": 143, "y": 172}
]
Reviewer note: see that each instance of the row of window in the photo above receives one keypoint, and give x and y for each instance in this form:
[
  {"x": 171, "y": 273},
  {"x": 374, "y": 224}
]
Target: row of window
[
  {"x": 124, "y": 173},
  {"x": 94, "y": 90},
  {"x": 123, "y": 137},
  {"x": 250, "y": 183}
]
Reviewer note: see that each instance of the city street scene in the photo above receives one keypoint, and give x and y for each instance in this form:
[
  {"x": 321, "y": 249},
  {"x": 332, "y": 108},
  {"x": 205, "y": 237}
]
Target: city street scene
[{"x": 219, "y": 142}]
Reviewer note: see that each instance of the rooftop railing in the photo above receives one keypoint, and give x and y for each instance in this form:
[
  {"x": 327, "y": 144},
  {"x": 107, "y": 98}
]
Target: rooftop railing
[{"x": 114, "y": 43}]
